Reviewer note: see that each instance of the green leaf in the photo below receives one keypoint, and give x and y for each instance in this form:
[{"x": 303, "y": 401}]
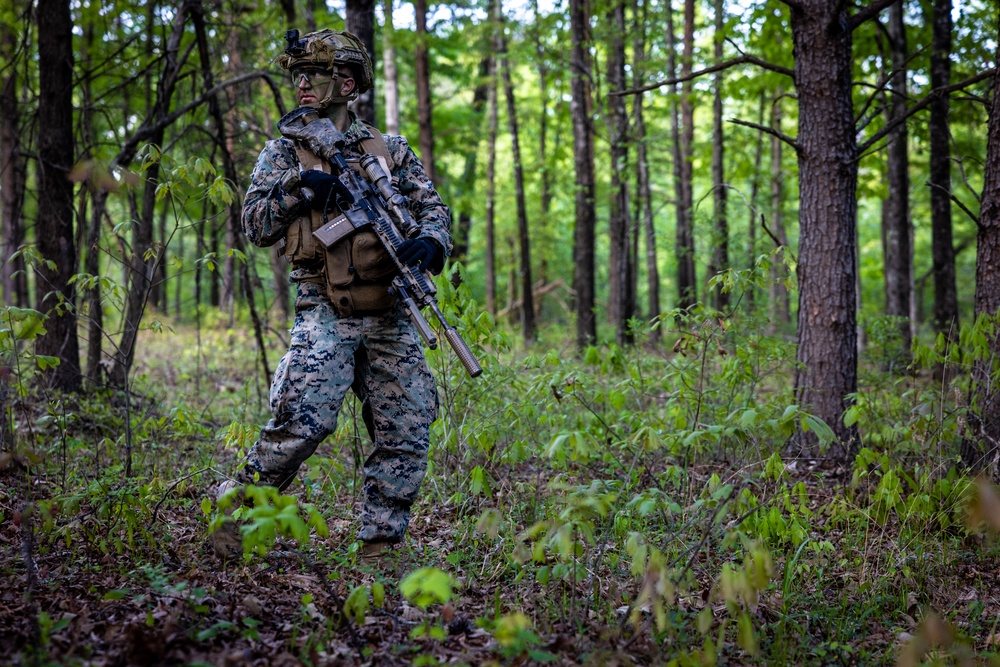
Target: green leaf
[
  {"x": 116, "y": 594},
  {"x": 46, "y": 362}
]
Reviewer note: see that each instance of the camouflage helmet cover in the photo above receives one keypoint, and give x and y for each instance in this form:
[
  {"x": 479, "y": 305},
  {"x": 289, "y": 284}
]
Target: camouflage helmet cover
[{"x": 327, "y": 48}]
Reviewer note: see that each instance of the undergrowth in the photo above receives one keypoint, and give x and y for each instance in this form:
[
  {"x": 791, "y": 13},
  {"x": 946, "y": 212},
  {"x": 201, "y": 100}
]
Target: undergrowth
[{"x": 627, "y": 506}]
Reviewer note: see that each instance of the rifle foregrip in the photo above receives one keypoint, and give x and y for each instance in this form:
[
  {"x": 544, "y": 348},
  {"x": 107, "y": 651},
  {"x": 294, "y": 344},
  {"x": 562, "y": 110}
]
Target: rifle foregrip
[{"x": 464, "y": 353}]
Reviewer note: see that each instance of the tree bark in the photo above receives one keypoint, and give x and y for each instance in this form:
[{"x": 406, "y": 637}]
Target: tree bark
[
  {"x": 13, "y": 278},
  {"x": 720, "y": 246},
  {"x": 491, "y": 189},
  {"x": 524, "y": 244},
  {"x": 461, "y": 231},
  {"x": 897, "y": 235},
  {"x": 643, "y": 191},
  {"x": 687, "y": 280},
  {"x": 828, "y": 169},
  {"x": 390, "y": 76},
  {"x": 54, "y": 294},
  {"x": 758, "y": 156},
  {"x": 942, "y": 248},
  {"x": 620, "y": 306},
  {"x": 981, "y": 443},
  {"x": 423, "y": 81},
  {"x": 360, "y": 20},
  {"x": 583, "y": 162}
]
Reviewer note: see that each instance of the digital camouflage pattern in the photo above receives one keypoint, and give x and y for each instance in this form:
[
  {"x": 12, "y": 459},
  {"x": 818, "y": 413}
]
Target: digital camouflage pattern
[{"x": 315, "y": 374}]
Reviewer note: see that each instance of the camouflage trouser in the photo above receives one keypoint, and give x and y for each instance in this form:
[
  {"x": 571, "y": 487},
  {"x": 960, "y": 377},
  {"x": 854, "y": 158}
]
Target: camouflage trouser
[{"x": 308, "y": 391}]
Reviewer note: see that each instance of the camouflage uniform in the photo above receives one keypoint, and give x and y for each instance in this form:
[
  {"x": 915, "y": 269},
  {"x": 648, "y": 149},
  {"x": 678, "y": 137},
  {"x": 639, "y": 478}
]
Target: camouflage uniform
[{"x": 315, "y": 374}]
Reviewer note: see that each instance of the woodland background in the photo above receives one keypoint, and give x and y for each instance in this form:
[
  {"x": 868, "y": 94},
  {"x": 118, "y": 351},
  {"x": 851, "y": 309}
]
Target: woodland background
[{"x": 731, "y": 269}]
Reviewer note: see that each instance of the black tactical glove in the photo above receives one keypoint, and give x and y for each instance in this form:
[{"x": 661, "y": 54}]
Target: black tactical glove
[
  {"x": 420, "y": 253},
  {"x": 327, "y": 190}
]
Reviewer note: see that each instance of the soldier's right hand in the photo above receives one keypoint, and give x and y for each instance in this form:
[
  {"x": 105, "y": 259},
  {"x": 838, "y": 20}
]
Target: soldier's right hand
[{"x": 327, "y": 191}]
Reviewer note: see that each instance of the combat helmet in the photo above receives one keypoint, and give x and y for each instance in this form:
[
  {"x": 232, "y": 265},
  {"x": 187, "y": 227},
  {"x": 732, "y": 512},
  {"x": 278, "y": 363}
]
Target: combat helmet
[{"x": 327, "y": 48}]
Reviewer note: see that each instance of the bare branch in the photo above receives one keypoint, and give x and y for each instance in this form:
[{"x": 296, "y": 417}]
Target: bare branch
[
  {"x": 924, "y": 102},
  {"x": 769, "y": 130},
  {"x": 951, "y": 195},
  {"x": 726, "y": 64},
  {"x": 869, "y": 12}
]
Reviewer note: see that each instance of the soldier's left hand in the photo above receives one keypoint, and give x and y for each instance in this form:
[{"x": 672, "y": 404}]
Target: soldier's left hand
[{"x": 327, "y": 190}]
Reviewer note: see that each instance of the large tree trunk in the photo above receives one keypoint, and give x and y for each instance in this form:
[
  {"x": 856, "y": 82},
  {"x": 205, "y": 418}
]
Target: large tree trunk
[
  {"x": 942, "y": 248},
  {"x": 620, "y": 310},
  {"x": 54, "y": 294},
  {"x": 981, "y": 443},
  {"x": 389, "y": 75},
  {"x": 720, "y": 246},
  {"x": 828, "y": 167},
  {"x": 360, "y": 20},
  {"x": 524, "y": 245},
  {"x": 422, "y": 66},
  {"x": 13, "y": 278},
  {"x": 643, "y": 190},
  {"x": 583, "y": 161},
  {"x": 687, "y": 280},
  {"x": 897, "y": 236}
]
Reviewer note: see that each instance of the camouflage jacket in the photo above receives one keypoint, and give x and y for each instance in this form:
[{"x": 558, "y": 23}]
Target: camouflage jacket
[{"x": 268, "y": 210}]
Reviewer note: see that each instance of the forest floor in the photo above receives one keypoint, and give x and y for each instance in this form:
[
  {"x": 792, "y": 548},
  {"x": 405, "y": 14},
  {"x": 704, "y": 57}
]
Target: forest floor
[{"x": 634, "y": 554}]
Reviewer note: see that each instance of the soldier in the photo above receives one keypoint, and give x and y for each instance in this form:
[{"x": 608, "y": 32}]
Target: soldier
[{"x": 349, "y": 328}]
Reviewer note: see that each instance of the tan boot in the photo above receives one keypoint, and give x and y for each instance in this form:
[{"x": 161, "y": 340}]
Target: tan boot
[
  {"x": 372, "y": 553},
  {"x": 226, "y": 541}
]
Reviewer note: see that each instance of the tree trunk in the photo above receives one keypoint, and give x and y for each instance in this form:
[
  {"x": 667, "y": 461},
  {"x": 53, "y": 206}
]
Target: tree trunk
[
  {"x": 543, "y": 117},
  {"x": 644, "y": 196},
  {"x": 524, "y": 245},
  {"x": 583, "y": 162},
  {"x": 491, "y": 188},
  {"x": 828, "y": 169},
  {"x": 687, "y": 281},
  {"x": 461, "y": 231},
  {"x": 13, "y": 278},
  {"x": 423, "y": 80},
  {"x": 360, "y": 20},
  {"x": 390, "y": 76},
  {"x": 720, "y": 246},
  {"x": 778, "y": 298},
  {"x": 981, "y": 443},
  {"x": 942, "y": 248},
  {"x": 54, "y": 294},
  {"x": 897, "y": 237},
  {"x": 620, "y": 310},
  {"x": 758, "y": 156}
]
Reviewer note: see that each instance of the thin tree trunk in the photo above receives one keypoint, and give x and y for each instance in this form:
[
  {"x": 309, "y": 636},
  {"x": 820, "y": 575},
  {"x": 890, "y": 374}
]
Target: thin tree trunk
[
  {"x": 720, "y": 246},
  {"x": 54, "y": 294},
  {"x": 460, "y": 234},
  {"x": 491, "y": 188},
  {"x": 423, "y": 81},
  {"x": 524, "y": 244},
  {"x": 827, "y": 374},
  {"x": 13, "y": 278},
  {"x": 543, "y": 117},
  {"x": 583, "y": 161},
  {"x": 779, "y": 299},
  {"x": 644, "y": 196},
  {"x": 620, "y": 310},
  {"x": 390, "y": 76},
  {"x": 687, "y": 281},
  {"x": 942, "y": 248},
  {"x": 758, "y": 157},
  {"x": 897, "y": 243},
  {"x": 360, "y": 20}
]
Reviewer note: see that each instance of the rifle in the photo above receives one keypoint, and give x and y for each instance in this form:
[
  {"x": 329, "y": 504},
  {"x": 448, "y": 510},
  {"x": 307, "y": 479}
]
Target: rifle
[{"x": 378, "y": 206}]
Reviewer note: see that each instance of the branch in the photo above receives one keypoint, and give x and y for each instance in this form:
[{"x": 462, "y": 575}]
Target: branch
[
  {"x": 718, "y": 67},
  {"x": 149, "y": 128},
  {"x": 937, "y": 93},
  {"x": 868, "y": 13},
  {"x": 951, "y": 195},
  {"x": 769, "y": 130}
]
